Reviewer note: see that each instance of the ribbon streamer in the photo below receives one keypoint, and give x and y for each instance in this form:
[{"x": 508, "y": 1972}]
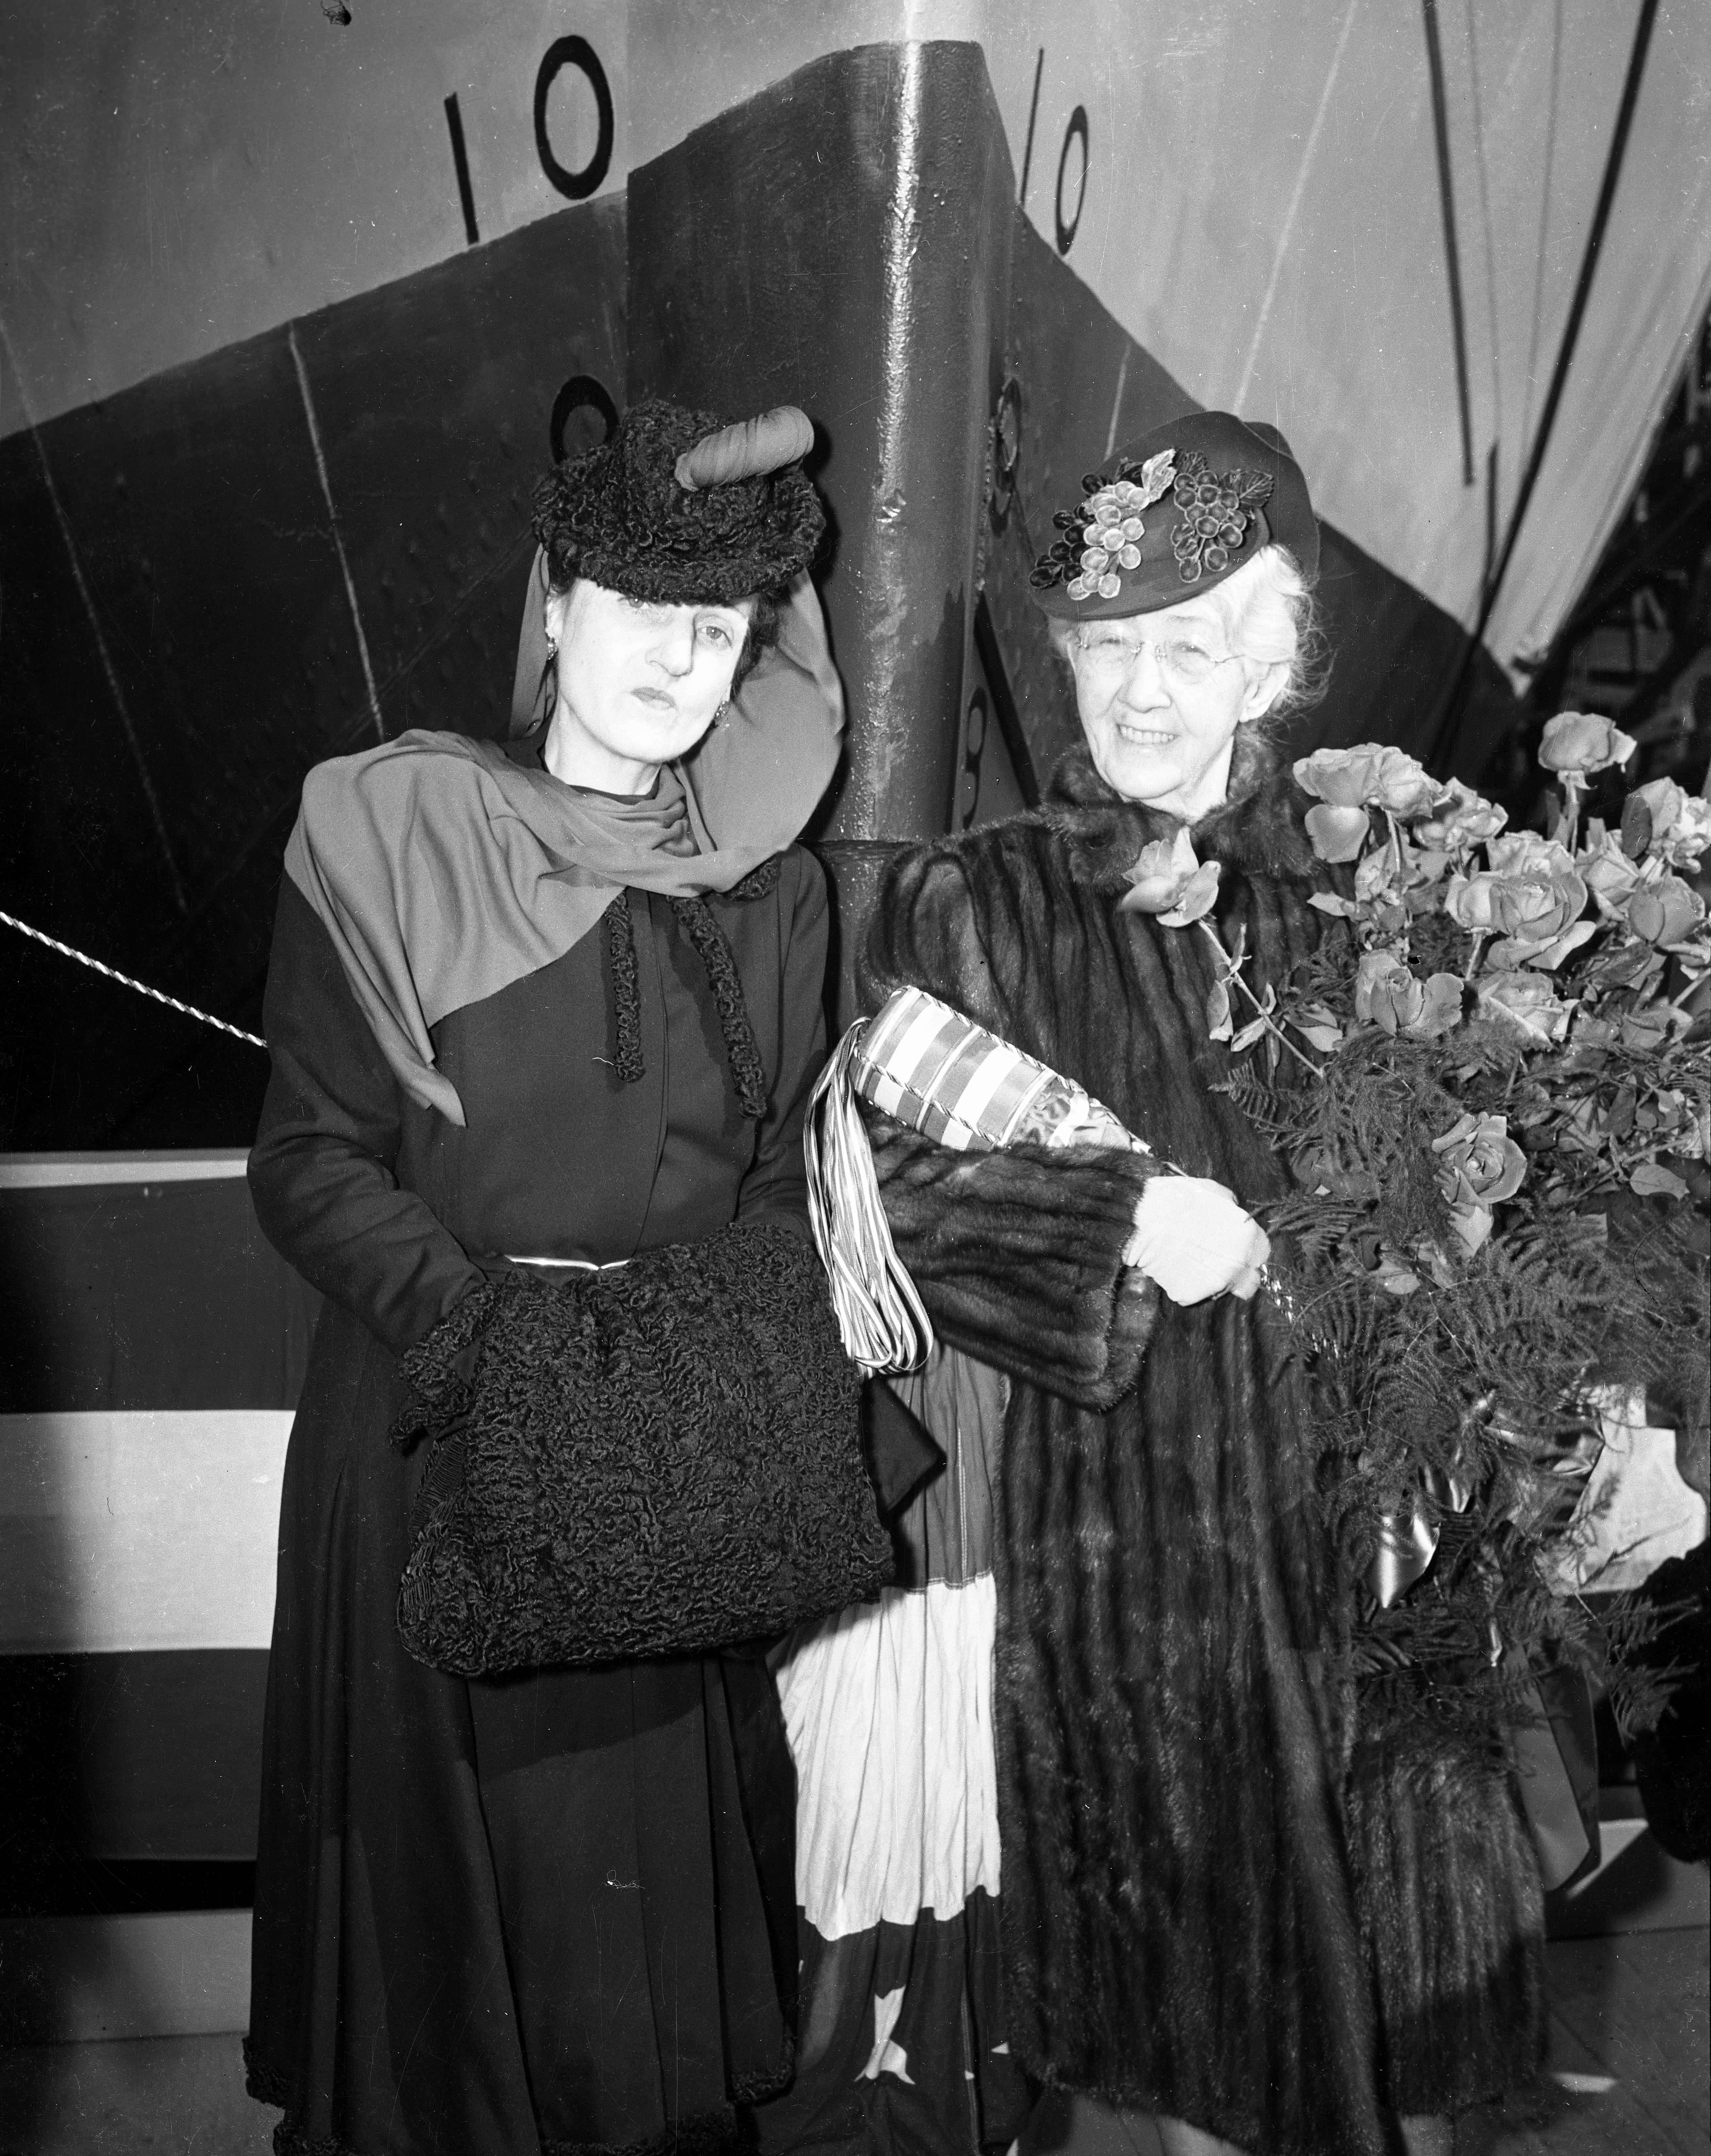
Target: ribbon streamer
[
  {"x": 1407, "y": 1545},
  {"x": 925, "y": 1065},
  {"x": 884, "y": 1324}
]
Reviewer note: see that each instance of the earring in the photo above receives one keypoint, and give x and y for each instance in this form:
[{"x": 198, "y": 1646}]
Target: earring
[
  {"x": 719, "y": 716},
  {"x": 552, "y": 646}
]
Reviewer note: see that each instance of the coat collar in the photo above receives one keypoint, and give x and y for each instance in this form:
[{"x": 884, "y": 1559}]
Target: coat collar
[{"x": 1258, "y": 830}]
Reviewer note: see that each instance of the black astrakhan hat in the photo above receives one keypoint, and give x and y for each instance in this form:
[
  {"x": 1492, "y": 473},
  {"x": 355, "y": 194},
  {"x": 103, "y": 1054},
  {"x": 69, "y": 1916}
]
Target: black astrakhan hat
[
  {"x": 1173, "y": 514},
  {"x": 681, "y": 507}
]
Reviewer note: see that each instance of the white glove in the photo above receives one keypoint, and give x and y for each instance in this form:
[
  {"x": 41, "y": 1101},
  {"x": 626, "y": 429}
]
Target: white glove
[{"x": 1194, "y": 1241}]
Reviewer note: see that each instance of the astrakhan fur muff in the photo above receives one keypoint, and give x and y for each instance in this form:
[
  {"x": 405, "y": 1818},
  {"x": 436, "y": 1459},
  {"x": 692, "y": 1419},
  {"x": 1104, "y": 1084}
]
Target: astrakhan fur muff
[{"x": 658, "y": 1459}]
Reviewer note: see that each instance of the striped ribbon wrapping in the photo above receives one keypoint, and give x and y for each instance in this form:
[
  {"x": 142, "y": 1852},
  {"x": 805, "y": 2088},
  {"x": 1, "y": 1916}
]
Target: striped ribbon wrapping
[{"x": 926, "y": 1065}]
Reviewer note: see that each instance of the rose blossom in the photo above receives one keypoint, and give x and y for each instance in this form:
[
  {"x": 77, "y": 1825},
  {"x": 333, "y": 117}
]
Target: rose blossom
[
  {"x": 1609, "y": 875},
  {"x": 1337, "y": 834},
  {"x": 1442, "y": 1008},
  {"x": 1664, "y": 910},
  {"x": 1462, "y": 821},
  {"x": 1526, "y": 1004},
  {"x": 1479, "y": 1164},
  {"x": 1161, "y": 871},
  {"x": 1388, "y": 994},
  {"x": 1168, "y": 881},
  {"x": 1575, "y": 742},
  {"x": 1534, "y": 906},
  {"x": 1519, "y": 852},
  {"x": 1371, "y": 776},
  {"x": 1681, "y": 822},
  {"x": 1196, "y": 898}
]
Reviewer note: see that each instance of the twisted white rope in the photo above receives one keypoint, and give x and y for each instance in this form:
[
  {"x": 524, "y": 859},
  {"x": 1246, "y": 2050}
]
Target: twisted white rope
[{"x": 142, "y": 988}]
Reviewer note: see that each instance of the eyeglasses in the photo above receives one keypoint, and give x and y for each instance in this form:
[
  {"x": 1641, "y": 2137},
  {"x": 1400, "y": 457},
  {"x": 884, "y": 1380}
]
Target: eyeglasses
[{"x": 1182, "y": 662}]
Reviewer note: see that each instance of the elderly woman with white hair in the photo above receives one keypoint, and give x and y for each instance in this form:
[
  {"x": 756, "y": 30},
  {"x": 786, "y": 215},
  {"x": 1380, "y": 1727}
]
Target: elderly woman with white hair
[{"x": 1218, "y": 1904}]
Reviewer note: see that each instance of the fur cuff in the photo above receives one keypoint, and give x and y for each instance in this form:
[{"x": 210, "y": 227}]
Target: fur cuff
[{"x": 1018, "y": 1256}]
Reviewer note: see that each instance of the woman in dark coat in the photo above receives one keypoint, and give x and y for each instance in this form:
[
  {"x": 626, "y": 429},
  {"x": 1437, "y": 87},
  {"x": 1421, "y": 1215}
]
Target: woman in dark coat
[
  {"x": 555, "y": 1002},
  {"x": 1223, "y": 1904}
]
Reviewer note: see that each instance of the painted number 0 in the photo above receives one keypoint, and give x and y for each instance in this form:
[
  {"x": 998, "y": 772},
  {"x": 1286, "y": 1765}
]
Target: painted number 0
[
  {"x": 577, "y": 53},
  {"x": 1067, "y": 225}
]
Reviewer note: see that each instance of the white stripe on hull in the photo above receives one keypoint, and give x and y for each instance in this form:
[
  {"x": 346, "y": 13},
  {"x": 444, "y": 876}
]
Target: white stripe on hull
[{"x": 141, "y": 1528}]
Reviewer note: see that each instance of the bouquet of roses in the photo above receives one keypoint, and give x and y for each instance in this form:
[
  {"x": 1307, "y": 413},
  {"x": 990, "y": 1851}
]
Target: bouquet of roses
[
  {"x": 1577, "y": 956},
  {"x": 1500, "y": 1163}
]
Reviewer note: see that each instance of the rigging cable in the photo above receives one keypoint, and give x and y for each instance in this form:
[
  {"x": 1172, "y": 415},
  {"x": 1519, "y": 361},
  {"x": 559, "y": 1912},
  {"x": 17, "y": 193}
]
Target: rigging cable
[
  {"x": 1547, "y": 195},
  {"x": 1565, "y": 352},
  {"x": 112, "y": 973},
  {"x": 1487, "y": 226}
]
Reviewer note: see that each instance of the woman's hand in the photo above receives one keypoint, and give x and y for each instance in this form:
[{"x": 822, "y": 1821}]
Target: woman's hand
[{"x": 1194, "y": 1241}]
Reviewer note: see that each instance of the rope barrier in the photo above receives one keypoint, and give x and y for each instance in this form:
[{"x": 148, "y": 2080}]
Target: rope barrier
[{"x": 142, "y": 988}]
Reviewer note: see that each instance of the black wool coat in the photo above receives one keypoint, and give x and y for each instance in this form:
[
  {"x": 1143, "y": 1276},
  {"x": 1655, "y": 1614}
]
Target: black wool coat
[
  {"x": 1199, "y": 1921},
  {"x": 555, "y": 1909}
]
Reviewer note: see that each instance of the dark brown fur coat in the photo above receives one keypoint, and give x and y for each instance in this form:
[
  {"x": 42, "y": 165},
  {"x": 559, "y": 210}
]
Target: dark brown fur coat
[{"x": 1210, "y": 1910}]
